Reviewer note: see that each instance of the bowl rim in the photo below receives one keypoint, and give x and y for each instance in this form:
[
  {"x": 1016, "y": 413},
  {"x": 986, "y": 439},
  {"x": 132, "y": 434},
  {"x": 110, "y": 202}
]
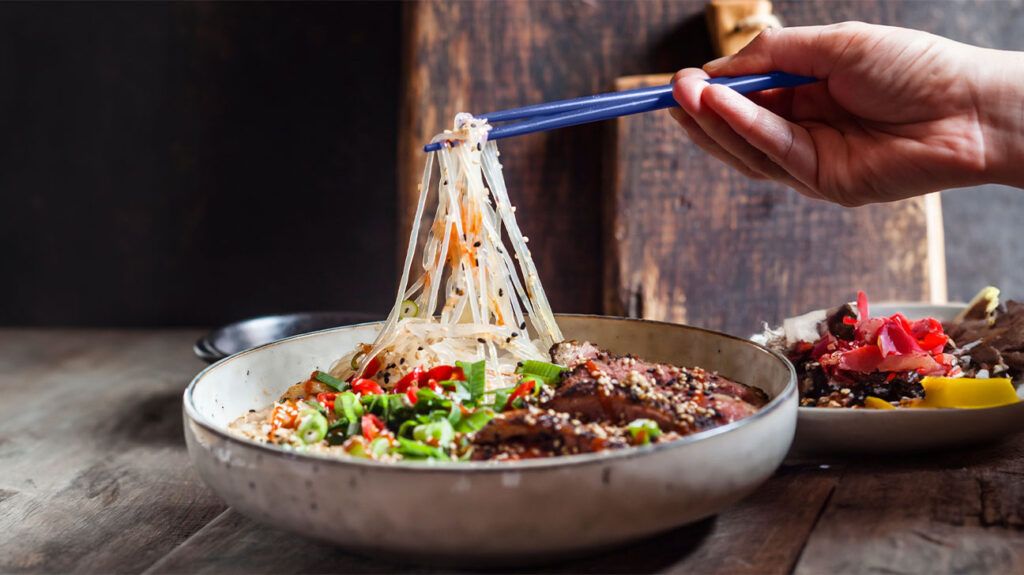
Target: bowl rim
[{"x": 192, "y": 414}]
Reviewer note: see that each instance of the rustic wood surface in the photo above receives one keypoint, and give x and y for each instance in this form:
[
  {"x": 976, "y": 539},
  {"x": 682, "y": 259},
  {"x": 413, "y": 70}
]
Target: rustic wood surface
[
  {"x": 480, "y": 56},
  {"x": 94, "y": 478},
  {"x": 690, "y": 240}
]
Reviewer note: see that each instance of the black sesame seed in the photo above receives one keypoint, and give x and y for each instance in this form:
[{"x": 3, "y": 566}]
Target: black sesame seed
[
  {"x": 501, "y": 292},
  {"x": 419, "y": 348},
  {"x": 481, "y": 340},
  {"x": 522, "y": 325},
  {"x": 252, "y": 411},
  {"x": 401, "y": 361},
  {"x": 479, "y": 147},
  {"x": 508, "y": 340}
]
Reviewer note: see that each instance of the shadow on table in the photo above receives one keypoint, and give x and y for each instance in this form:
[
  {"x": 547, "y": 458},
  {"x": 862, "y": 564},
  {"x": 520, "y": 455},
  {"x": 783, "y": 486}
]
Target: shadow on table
[{"x": 153, "y": 420}]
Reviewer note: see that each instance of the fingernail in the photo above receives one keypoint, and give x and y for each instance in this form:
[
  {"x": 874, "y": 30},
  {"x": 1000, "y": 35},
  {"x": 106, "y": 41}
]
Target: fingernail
[{"x": 717, "y": 63}]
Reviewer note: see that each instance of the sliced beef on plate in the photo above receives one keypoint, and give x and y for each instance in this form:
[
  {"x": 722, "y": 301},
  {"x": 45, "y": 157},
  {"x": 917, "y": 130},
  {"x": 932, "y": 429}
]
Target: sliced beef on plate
[
  {"x": 618, "y": 389},
  {"x": 533, "y": 432}
]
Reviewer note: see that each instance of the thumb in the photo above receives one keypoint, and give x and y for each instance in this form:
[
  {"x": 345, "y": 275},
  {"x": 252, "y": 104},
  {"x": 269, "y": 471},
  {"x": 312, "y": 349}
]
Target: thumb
[{"x": 803, "y": 50}]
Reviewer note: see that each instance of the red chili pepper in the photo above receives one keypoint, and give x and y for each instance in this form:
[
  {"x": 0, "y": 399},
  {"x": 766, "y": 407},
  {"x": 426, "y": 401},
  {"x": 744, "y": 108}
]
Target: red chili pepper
[
  {"x": 372, "y": 426},
  {"x": 414, "y": 377},
  {"x": 849, "y": 320},
  {"x": 441, "y": 372},
  {"x": 433, "y": 385},
  {"x": 327, "y": 399},
  {"x": 366, "y": 387},
  {"x": 372, "y": 367},
  {"x": 524, "y": 389}
]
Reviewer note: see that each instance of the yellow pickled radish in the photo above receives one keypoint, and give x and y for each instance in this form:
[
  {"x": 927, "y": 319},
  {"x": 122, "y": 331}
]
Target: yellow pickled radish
[
  {"x": 872, "y": 402},
  {"x": 967, "y": 393}
]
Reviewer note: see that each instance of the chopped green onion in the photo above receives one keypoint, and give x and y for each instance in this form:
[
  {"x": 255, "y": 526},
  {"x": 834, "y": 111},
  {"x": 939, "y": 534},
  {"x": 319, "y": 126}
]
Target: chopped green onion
[
  {"x": 409, "y": 309},
  {"x": 440, "y": 431},
  {"x": 380, "y": 446},
  {"x": 418, "y": 450},
  {"x": 331, "y": 381},
  {"x": 643, "y": 430},
  {"x": 312, "y": 427},
  {"x": 501, "y": 398},
  {"x": 538, "y": 383},
  {"x": 474, "y": 421},
  {"x": 348, "y": 406},
  {"x": 428, "y": 400},
  {"x": 459, "y": 388},
  {"x": 475, "y": 377},
  {"x": 548, "y": 373}
]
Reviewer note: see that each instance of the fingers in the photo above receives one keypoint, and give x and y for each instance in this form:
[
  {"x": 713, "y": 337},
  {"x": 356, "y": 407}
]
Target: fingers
[
  {"x": 784, "y": 144},
  {"x": 689, "y": 90},
  {"x": 703, "y": 141},
  {"x": 804, "y": 50}
]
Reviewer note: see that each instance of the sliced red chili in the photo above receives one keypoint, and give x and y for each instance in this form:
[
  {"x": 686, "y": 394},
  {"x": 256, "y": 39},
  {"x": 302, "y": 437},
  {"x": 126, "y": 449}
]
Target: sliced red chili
[
  {"x": 372, "y": 367},
  {"x": 372, "y": 426},
  {"x": 524, "y": 389},
  {"x": 366, "y": 387},
  {"x": 412, "y": 378},
  {"x": 327, "y": 399},
  {"x": 441, "y": 372},
  {"x": 411, "y": 394}
]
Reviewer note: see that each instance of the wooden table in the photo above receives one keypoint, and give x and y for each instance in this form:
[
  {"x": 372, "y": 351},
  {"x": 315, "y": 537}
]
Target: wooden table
[{"x": 94, "y": 477}]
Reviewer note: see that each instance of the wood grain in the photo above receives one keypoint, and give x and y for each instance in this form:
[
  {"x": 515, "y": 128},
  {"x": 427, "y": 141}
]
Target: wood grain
[
  {"x": 961, "y": 512},
  {"x": 93, "y": 471},
  {"x": 690, "y": 240}
]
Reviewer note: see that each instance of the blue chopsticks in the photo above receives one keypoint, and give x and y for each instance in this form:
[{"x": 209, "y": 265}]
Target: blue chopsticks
[{"x": 565, "y": 113}]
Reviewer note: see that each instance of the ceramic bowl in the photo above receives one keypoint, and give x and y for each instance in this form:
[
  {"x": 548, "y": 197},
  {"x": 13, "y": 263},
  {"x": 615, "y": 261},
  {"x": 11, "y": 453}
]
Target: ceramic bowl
[
  {"x": 822, "y": 432},
  {"x": 490, "y": 513}
]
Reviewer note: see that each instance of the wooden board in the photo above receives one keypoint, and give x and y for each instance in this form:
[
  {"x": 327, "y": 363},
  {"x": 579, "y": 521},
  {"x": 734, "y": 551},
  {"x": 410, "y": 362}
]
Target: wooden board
[
  {"x": 480, "y": 56},
  {"x": 691, "y": 240}
]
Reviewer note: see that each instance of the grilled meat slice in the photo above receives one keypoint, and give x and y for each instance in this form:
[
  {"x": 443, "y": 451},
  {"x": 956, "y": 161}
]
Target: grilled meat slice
[
  {"x": 618, "y": 389},
  {"x": 572, "y": 353},
  {"x": 532, "y": 432}
]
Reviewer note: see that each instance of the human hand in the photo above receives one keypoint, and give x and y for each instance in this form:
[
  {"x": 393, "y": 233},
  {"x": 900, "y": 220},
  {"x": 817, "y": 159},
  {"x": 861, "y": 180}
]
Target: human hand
[{"x": 898, "y": 113}]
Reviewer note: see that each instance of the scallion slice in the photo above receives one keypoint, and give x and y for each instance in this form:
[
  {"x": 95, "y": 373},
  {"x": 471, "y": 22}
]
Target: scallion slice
[
  {"x": 549, "y": 373},
  {"x": 475, "y": 377},
  {"x": 409, "y": 309},
  {"x": 331, "y": 381}
]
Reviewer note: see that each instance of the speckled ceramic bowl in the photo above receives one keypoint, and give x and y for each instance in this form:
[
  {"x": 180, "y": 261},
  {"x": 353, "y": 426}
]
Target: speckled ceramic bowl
[{"x": 490, "y": 513}]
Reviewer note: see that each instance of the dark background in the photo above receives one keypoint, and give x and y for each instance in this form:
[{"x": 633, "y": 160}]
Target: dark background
[
  {"x": 195, "y": 163},
  {"x": 192, "y": 164}
]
